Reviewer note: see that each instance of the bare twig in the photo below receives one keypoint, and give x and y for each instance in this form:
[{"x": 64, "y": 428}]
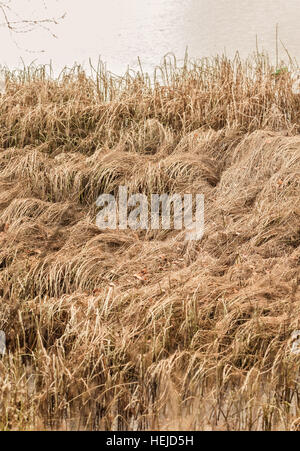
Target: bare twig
[{"x": 16, "y": 24}]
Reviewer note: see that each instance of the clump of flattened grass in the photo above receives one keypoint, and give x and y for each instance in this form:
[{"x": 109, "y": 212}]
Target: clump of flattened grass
[{"x": 139, "y": 330}]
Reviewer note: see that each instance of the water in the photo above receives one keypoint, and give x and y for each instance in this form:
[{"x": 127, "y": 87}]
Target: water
[{"x": 122, "y": 30}]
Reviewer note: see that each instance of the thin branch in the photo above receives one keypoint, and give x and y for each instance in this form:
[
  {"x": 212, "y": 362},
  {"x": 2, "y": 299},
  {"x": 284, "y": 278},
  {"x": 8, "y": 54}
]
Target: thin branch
[
  {"x": 25, "y": 25},
  {"x": 18, "y": 25}
]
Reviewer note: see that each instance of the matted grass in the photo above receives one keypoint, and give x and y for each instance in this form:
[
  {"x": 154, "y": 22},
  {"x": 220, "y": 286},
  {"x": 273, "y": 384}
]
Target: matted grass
[{"x": 132, "y": 330}]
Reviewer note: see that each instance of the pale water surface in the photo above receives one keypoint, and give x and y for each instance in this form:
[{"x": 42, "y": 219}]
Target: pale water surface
[{"x": 122, "y": 30}]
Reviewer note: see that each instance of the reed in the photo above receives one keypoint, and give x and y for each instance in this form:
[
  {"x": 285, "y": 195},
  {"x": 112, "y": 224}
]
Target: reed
[{"x": 122, "y": 330}]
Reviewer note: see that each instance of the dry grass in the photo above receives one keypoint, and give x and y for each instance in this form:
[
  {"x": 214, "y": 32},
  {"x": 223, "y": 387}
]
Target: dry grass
[{"x": 134, "y": 330}]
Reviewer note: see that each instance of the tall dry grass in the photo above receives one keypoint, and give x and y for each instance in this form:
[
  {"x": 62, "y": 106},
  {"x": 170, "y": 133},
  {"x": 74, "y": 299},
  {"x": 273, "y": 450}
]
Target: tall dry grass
[{"x": 133, "y": 330}]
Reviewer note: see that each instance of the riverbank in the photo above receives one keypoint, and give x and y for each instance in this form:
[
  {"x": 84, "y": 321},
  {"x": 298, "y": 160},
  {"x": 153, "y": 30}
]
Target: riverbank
[{"x": 141, "y": 330}]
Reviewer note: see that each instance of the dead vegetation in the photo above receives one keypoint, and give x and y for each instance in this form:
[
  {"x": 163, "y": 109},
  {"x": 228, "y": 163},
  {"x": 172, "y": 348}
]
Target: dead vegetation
[{"x": 133, "y": 330}]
